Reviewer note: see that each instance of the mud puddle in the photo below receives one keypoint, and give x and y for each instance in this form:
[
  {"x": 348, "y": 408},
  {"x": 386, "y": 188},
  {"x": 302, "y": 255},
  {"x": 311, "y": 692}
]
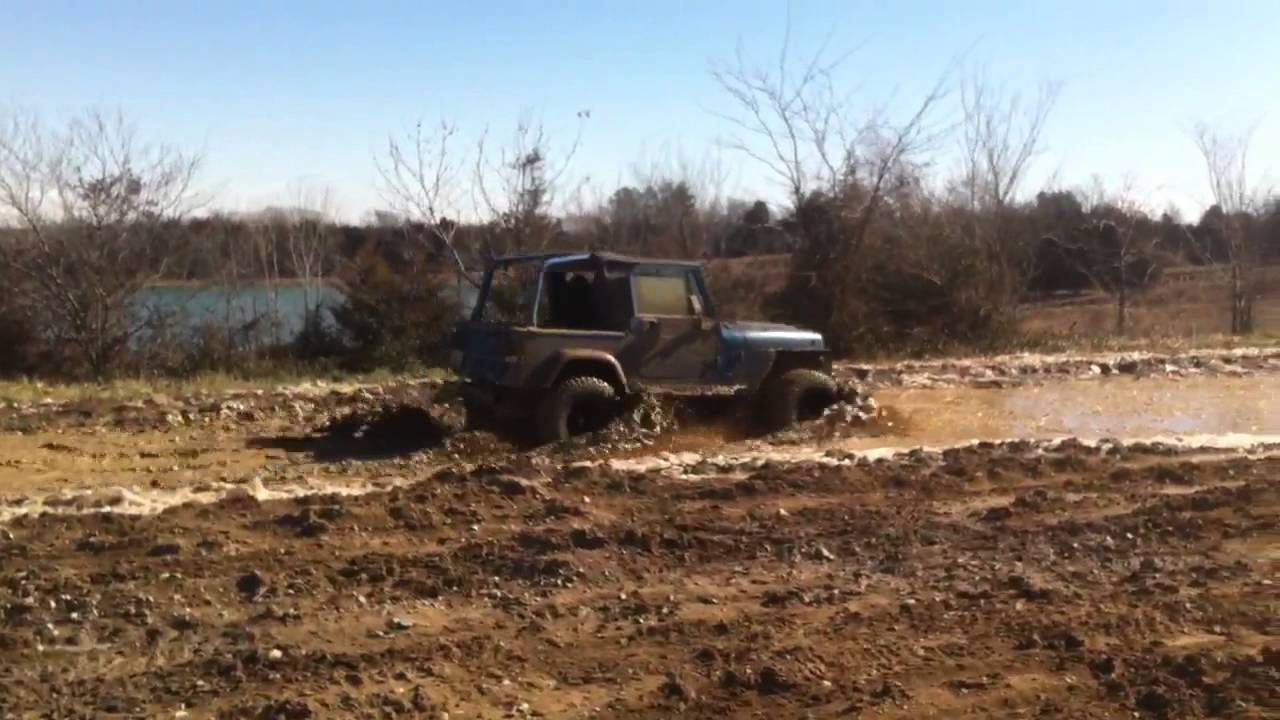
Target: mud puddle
[
  {"x": 1212, "y": 413},
  {"x": 1119, "y": 407},
  {"x": 140, "y": 500}
]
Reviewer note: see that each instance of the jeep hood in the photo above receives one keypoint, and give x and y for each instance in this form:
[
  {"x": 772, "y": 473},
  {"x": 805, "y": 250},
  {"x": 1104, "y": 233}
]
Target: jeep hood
[{"x": 772, "y": 336}]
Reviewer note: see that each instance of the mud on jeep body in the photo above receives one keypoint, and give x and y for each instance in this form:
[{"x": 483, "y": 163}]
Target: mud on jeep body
[{"x": 562, "y": 338}]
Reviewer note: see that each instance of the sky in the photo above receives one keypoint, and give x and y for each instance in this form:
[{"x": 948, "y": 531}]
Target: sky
[{"x": 287, "y": 98}]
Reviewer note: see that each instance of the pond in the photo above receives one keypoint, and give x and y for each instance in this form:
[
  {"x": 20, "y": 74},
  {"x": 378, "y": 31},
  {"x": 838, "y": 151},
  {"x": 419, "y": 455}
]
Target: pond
[{"x": 274, "y": 311}]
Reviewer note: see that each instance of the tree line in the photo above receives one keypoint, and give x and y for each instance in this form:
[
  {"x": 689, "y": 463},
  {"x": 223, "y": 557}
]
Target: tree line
[{"x": 911, "y": 230}]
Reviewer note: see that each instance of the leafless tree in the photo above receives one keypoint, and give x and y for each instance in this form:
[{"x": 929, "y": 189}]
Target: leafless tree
[
  {"x": 420, "y": 180},
  {"x": 87, "y": 201},
  {"x": 1000, "y": 134},
  {"x": 790, "y": 117},
  {"x": 1226, "y": 158},
  {"x": 797, "y": 122},
  {"x": 308, "y": 238},
  {"x": 1120, "y": 255},
  {"x": 794, "y": 120},
  {"x": 516, "y": 186}
]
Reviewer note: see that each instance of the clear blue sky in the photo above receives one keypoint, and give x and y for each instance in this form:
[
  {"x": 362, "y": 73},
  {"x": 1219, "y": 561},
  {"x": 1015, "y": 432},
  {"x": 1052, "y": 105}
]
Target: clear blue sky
[{"x": 281, "y": 94}]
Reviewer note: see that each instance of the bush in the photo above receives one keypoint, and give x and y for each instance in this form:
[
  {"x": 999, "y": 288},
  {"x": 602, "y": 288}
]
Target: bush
[
  {"x": 395, "y": 318},
  {"x": 319, "y": 338},
  {"x": 19, "y": 344},
  {"x": 907, "y": 283}
]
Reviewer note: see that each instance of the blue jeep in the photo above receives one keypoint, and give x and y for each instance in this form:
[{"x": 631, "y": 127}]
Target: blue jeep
[{"x": 563, "y": 338}]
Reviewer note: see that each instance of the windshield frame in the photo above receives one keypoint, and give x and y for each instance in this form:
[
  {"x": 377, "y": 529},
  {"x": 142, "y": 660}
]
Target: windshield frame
[
  {"x": 544, "y": 263},
  {"x": 486, "y": 285}
]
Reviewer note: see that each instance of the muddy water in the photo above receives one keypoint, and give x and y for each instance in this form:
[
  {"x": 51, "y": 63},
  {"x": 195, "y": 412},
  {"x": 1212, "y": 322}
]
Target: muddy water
[
  {"x": 1202, "y": 412},
  {"x": 1118, "y": 407}
]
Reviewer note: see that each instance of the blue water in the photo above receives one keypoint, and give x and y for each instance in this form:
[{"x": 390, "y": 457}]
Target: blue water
[{"x": 270, "y": 313}]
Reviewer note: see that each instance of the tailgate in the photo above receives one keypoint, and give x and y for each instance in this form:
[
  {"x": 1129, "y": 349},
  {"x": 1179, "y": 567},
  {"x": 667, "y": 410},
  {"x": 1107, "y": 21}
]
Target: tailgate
[{"x": 483, "y": 352}]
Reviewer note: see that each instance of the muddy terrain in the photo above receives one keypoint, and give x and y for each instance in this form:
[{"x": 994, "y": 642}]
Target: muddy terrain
[{"x": 314, "y": 554}]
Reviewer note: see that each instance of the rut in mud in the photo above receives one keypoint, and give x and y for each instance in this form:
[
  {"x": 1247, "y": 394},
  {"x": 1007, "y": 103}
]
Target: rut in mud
[
  {"x": 998, "y": 579},
  {"x": 211, "y": 557}
]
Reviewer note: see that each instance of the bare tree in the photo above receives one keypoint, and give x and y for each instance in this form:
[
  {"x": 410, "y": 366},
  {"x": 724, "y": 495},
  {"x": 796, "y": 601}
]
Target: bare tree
[
  {"x": 1000, "y": 135},
  {"x": 420, "y": 180},
  {"x": 1116, "y": 248},
  {"x": 1226, "y": 158},
  {"x": 308, "y": 239},
  {"x": 516, "y": 187},
  {"x": 87, "y": 201},
  {"x": 842, "y": 166},
  {"x": 789, "y": 117},
  {"x": 793, "y": 120}
]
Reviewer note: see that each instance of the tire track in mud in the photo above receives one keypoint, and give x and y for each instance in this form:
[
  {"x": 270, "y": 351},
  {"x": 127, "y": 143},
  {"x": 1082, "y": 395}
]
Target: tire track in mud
[
  {"x": 819, "y": 576},
  {"x": 1053, "y": 580}
]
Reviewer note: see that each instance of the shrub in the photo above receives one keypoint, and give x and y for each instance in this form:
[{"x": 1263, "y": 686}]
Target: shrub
[
  {"x": 907, "y": 283},
  {"x": 395, "y": 318}
]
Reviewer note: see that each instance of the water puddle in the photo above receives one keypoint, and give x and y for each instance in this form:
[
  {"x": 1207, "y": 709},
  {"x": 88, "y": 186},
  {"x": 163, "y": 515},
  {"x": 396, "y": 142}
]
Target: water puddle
[
  {"x": 1217, "y": 415},
  {"x": 1119, "y": 407}
]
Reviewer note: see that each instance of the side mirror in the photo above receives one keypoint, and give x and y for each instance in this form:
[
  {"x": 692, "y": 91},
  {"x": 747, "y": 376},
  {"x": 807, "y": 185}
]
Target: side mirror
[{"x": 695, "y": 302}]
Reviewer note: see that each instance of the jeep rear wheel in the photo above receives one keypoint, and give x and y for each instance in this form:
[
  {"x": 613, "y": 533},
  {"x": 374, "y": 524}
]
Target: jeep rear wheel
[
  {"x": 577, "y": 405},
  {"x": 798, "y": 395},
  {"x": 477, "y": 416}
]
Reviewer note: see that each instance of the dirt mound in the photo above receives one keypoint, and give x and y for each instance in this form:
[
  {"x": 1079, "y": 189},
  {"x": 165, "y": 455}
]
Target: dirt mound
[
  {"x": 299, "y": 404},
  {"x": 390, "y": 428}
]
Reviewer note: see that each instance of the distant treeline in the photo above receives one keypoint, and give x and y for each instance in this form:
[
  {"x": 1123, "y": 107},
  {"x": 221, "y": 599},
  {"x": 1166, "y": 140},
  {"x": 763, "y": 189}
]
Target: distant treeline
[
  {"x": 923, "y": 283},
  {"x": 1059, "y": 228},
  {"x": 887, "y": 247}
]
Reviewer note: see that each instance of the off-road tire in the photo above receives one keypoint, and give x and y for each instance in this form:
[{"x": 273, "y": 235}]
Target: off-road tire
[
  {"x": 796, "y": 396},
  {"x": 575, "y": 406},
  {"x": 478, "y": 417}
]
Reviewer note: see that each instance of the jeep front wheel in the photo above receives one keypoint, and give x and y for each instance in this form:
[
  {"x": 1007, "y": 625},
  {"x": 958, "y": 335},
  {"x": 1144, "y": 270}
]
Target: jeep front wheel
[
  {"x": 576, "y": 406},
  {"x": 796, "y": 396}
]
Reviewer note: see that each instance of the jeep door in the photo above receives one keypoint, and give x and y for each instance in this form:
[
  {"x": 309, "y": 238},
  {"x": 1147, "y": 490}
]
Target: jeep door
[{"x": 673, "y": 340}]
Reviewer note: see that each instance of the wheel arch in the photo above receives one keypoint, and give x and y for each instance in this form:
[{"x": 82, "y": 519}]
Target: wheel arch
[
  {"x": 577, "y": 363},
  {"x": 785, "y": 360}
]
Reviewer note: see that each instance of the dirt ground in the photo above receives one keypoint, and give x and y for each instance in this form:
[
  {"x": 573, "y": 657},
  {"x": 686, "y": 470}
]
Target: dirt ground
[{"x": 207, "y": 558}]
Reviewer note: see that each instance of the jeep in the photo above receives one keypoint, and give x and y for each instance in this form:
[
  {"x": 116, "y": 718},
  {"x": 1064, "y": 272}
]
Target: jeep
[{"x": 563, "y": 338}]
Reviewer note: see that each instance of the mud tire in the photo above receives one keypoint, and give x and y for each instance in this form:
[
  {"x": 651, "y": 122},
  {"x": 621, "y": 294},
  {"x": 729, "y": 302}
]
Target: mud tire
[
  {"x": 575, "y": 406},
  {"x": 478, "y": 417},
  {"x": 796, "y": 396}
]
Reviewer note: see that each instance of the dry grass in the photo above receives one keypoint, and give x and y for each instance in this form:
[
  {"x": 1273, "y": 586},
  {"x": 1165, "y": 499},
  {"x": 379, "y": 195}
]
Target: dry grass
[
  {"x": 1187, "y": 312},
  {"x": 31, "y": 390}
]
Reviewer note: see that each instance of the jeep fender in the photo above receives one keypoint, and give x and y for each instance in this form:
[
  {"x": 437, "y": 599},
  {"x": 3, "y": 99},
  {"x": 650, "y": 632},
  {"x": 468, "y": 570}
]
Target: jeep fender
[
  {"x": 766, "y": 364},
  {"x": 565, "y": 363}
]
